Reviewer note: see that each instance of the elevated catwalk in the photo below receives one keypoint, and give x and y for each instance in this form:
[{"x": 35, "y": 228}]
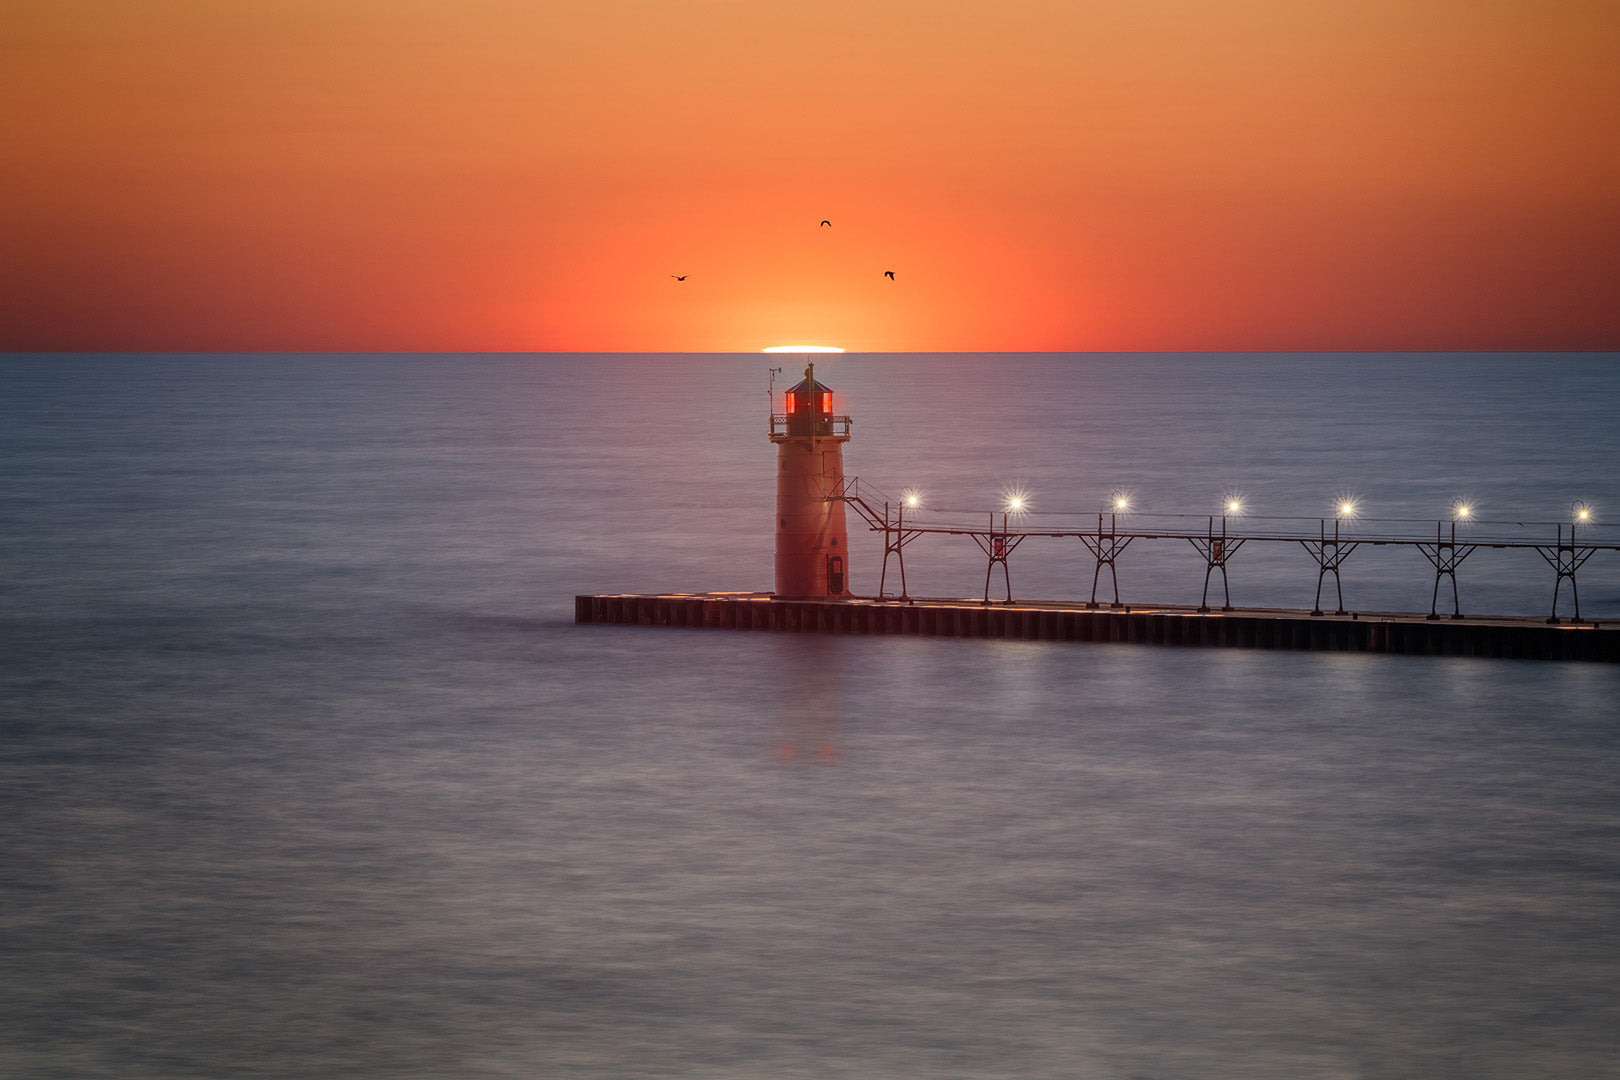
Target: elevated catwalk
[{"x": 1245, "y": 628}]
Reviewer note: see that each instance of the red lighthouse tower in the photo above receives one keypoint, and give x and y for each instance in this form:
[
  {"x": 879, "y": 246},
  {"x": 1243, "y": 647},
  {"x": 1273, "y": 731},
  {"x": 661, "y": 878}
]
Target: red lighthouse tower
[{"x": 812, "y": 544}]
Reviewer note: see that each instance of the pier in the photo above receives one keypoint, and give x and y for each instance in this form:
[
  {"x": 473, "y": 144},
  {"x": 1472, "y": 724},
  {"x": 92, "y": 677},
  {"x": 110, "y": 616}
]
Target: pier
[
  {"x": 1056, "y": 621},
  {"x": 812, "y": 569}
]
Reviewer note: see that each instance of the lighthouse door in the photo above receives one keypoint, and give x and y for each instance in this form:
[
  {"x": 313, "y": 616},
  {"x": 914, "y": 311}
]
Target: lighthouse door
[{"x": 835, "y": 575}]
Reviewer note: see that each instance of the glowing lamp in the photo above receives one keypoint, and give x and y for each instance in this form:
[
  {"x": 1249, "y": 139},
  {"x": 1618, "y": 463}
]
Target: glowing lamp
[{"x": 809, "y": 406}]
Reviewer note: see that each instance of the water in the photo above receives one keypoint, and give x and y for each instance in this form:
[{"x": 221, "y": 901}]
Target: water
[{"x": 306, "y": 771}]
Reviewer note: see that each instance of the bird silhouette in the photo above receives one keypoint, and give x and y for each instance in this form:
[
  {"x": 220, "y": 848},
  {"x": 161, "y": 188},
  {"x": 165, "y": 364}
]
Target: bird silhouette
[
  {"x": 889, "y": 274},
  {"x": 678, "y": 277},
  {"x": 824, "y": 221}
]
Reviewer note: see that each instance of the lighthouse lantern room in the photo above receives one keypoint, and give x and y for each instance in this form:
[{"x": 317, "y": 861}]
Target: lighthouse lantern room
[{"x": 812, "y": 542}]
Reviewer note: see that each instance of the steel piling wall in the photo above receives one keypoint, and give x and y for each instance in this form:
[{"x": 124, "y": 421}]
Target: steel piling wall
[{"x": 1508, "y": 639}]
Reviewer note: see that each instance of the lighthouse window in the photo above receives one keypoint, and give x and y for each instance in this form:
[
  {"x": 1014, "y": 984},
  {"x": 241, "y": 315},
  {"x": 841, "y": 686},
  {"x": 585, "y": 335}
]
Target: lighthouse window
[
  {"x": 790, "y": 400},
  {"x": 826, "y": 403}
]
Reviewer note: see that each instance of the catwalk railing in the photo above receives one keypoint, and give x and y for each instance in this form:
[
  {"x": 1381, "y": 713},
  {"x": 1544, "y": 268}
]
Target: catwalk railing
[
  {"x": 1328, "y": 540},
  {"x": 783, "y": 427}
]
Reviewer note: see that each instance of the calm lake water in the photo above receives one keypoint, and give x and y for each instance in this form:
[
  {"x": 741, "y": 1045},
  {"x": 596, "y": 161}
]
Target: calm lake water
[{"x": 306, "y": 771}]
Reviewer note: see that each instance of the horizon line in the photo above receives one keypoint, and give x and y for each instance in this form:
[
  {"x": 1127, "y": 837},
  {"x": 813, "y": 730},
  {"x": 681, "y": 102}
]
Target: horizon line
[{"x": 777, "y": 350}]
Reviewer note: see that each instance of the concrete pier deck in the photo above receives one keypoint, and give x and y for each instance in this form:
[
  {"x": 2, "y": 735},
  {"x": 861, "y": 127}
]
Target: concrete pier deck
[{"x": 1245, "y": 628}]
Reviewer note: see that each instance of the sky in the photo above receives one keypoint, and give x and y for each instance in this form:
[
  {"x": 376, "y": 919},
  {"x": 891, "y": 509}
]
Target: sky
[{"x": 1040, "y": 175}]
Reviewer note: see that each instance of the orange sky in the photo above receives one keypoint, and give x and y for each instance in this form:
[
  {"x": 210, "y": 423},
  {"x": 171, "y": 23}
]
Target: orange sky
[{"x": 1040, "y": 174}]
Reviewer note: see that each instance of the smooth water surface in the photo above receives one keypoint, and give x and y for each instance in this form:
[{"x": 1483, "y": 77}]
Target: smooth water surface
[{"x": 306, "y": 771}]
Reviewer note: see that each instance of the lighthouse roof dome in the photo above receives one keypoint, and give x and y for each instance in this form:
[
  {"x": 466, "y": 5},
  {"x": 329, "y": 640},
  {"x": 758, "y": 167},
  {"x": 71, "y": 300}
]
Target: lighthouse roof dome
[{"x": 809, "y": 385}]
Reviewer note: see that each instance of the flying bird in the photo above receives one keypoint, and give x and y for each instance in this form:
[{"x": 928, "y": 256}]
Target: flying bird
[
  {"x": 678, "y": 277},
  {"x": 889, "y": 274},
  {"x": 824, "y": 221}
]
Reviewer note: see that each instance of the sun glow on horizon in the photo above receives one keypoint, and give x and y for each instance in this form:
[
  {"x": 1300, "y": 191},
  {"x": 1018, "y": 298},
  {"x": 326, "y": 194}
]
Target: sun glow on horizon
[{"x": 1265, "y": 176}]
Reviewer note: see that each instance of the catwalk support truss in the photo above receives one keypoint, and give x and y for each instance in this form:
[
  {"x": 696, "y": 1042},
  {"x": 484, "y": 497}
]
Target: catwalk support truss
[{"x": 1216, "y": 543}]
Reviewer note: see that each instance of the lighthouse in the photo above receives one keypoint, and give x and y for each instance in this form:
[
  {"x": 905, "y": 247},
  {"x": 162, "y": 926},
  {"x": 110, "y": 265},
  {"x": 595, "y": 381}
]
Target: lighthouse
[{"x": 812, "y": 543}]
